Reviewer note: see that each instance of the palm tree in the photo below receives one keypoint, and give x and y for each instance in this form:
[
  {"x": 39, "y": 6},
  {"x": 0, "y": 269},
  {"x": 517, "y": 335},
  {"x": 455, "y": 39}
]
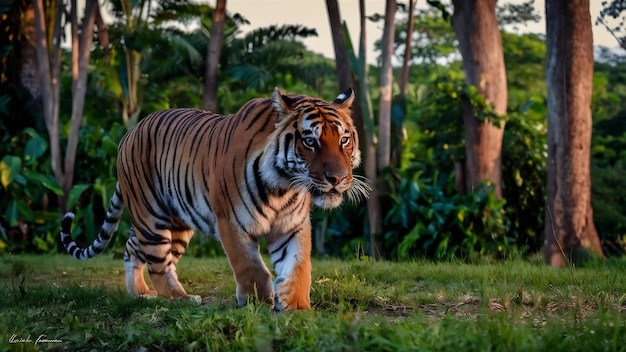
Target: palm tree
[
  {"x": 145, "y": 32},
  {"x": 257, "y": 59}
]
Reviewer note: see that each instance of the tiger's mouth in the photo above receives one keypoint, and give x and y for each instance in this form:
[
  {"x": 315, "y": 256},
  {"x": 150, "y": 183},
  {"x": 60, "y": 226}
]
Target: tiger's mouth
[{"x": 326, "y": 199}]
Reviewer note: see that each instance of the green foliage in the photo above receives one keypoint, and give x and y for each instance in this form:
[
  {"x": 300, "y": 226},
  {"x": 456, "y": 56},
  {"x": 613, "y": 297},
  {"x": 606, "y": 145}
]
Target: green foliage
[
  {"x": 95, "y": 180},
  {"x": 434, "y": 40},
  {"x": 524, "y": 154},
  {"x": 424, "y": 215},
  {"x": 524, "y": 57},
  {"x": 267, "y": 56},
  {"x": 343, "y": 230},
  {"x": 427, "y": 219},
  {"x": 26, "y": 223}
]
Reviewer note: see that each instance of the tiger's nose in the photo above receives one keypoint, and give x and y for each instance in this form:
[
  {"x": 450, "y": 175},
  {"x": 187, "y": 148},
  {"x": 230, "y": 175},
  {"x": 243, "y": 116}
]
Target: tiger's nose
[{"x": 335, "y": 178}]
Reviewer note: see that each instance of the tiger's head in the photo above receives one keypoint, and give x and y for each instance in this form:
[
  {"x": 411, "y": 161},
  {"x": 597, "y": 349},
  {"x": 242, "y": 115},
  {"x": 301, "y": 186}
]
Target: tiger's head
[{"x": 315, "y": 147}]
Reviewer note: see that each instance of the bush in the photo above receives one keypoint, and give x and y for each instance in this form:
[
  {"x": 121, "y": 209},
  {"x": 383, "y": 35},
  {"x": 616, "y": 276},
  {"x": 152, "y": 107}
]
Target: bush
[
  {"x": 28, "y": 215},
  {"x": 427, "y": 219}
]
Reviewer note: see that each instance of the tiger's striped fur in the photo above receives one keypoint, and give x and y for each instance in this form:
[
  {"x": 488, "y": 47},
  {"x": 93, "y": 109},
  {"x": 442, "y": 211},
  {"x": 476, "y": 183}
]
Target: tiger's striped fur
[{"x": 238, "y": 177}]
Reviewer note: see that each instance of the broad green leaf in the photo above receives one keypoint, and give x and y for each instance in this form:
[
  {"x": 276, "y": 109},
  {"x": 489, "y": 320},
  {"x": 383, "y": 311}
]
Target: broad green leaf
[
  {"x": 109, "y": 146},
  {"x": 35, "y": 148},
  {"x": 47, "y": 181},
  {"x": 91, "y": 228},
  {"x": 11, "y": 214},
  {"x": 25, "y": 211},
  {"x": 75, "y": 193},
  {"x": 41, "y": 244},
  {"x": 42, "y": 217},
  {"x": 20, "y": 180},
  {"x": 10, "y": 167}
]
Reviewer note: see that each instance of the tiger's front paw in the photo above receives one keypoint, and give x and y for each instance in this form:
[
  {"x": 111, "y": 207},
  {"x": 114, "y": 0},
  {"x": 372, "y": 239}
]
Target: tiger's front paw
[
  {"x": 291, "y": 295},
  {"x": 192, "y": 298},
  {"x": 147, "y": 293}
]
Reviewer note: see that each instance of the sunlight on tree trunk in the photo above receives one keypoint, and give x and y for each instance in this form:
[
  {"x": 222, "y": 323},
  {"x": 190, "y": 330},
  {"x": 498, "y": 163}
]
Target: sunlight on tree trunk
[
  {"x": 476, "y": 27},
  {"x": 570, "y": 229},
  {"x": 213, "y": 57}
]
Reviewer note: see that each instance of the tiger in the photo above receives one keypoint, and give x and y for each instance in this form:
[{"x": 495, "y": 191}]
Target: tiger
[{"x": 241, "y": 177}]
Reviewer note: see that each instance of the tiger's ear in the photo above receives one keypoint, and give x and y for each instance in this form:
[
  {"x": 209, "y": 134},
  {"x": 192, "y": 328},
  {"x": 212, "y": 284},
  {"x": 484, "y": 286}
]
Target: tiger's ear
[
  {"x": 345, "y": 99},
  {"x": 282, "y": 103}
]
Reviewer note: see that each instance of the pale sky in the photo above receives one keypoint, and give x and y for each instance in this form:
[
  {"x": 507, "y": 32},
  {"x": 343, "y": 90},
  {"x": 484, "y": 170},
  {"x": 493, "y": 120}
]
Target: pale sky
[{"x": 312, "y": 13}]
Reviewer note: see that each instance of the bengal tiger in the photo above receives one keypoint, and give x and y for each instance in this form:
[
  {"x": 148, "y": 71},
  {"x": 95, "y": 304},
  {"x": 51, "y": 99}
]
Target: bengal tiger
[{"x": 238, "y": 177}]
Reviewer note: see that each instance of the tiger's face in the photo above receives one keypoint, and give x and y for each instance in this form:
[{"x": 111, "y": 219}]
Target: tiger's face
[{"x": 318, "y": 147}]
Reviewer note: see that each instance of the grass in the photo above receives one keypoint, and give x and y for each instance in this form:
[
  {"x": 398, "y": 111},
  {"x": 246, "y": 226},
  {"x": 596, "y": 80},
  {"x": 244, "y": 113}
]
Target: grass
[{"x": 360, "y": 305}]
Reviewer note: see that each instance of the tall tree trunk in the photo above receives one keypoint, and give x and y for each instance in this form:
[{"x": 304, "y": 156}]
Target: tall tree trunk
[
  {"x": 386, "y": 88},
  {"x": 476, "y": 27},
  {"x": 404, "y": 79},
  {"x": 383, "y": 156},
  {"x": 49, "y": 59},
  {"x": 397, "y": 122},
  {"x": 131, "y": 96},
  {"x": 81, "y": 52},
  {"x": 374, "y": 212},
  {"x": 342, "y": 63},
  {"x": 569, "y": 227},
  {"x": 49, "y": 72},
  {"x": 209, "y": 98},
  {"x": 361, "y": 112}
]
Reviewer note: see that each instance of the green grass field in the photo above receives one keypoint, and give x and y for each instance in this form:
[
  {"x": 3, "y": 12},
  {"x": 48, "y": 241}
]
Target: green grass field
[{"x": 58, "y": 303}]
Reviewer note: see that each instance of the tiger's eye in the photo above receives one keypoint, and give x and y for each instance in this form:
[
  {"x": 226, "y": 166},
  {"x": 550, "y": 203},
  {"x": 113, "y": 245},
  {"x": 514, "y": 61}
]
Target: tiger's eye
[
  {"x": 345, "y": 140},
  {"x": 309, "y": 142}
]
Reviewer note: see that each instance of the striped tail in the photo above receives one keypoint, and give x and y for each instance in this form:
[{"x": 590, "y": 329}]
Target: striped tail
[{"x": 111, "y": 221}]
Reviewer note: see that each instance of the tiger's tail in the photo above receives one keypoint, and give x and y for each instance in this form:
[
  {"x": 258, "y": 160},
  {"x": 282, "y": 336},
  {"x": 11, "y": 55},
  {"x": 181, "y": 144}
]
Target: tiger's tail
[{"x": 111, "y": 221}]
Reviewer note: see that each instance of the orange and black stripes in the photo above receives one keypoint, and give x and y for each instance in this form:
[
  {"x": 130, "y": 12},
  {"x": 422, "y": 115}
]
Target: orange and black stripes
[{"x": 237, "y": 177}]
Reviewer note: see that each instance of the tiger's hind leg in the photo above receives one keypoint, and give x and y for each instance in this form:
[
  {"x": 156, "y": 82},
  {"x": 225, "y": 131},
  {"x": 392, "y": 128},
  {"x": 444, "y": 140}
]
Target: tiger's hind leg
[
  {"x": 134, "y": 263},
  {"x": 162, "y": 252},
  {"x": 180, "y": 242}
]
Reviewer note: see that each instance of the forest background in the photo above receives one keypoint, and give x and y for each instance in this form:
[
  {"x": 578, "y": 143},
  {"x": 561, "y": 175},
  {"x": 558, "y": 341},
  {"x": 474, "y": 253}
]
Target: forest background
[{"x": 146, "y": 59}]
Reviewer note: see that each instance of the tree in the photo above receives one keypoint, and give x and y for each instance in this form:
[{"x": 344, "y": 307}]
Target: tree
[
  {"x": 386, "y": 89},
  {"x": 48, "y": 40},
  {"x": 213, "y": 56},
  {"x": 374, "y": 207},
  {"x": 569, "y": 226},
  {"x": 140, "y": 32},
  {"x": 342, "y": 64},
  {"x": 20, "y": 88},
  {"x": 404, "y": 80},
  {"x": 268, "y": 54},
  {"x": 362, "y": 111},
  {"x": 476, "y": 27}
]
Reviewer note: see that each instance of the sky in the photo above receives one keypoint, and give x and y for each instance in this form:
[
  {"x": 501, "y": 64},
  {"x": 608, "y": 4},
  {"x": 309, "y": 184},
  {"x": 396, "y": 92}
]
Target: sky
[{"x": 312, "y": 13}]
